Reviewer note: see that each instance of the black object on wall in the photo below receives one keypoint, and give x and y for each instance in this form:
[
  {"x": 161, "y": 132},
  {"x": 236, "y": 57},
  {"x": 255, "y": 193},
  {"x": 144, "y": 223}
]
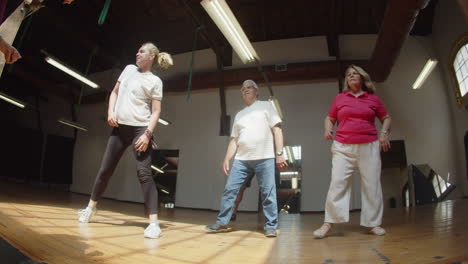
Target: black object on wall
[{"x": 423, "y": 189}]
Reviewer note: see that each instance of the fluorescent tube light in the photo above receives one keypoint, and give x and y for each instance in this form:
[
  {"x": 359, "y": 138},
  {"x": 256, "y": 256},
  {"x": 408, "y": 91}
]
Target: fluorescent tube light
[
  {"x": 162, "y": 188},
  {"x": 71, "y": 72},
  {"x": 294, "y": 183},
  {"x": 72, "y": 124},
  {"x": 289, "y": 173},
  {"x": 223, "y": 17},
  {"x": 12, "y": 100},
  {"x": 163, "y": 121},
  {"x": 157, "y": 169},
  {"x": 426, "y": 71},
  {"x": 277, "y": 106},
  {"x": 289, "y": 154}
]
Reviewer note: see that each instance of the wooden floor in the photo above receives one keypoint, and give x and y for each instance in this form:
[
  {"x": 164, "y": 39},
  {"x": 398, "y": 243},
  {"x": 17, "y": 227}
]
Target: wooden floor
[{"x": 43, "y": 225}]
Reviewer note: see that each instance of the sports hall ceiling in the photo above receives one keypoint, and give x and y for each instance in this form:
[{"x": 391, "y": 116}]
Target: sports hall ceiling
[{"x": 71, "y": 32}]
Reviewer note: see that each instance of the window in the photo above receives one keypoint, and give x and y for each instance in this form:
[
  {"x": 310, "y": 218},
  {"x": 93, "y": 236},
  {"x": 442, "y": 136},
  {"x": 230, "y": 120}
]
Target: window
[
  {"x": 459, "y": 65},
  {"x": 407, "y": 198},
  {"x": 289, "y": 184},
  {"x": 440, "y": 185}
]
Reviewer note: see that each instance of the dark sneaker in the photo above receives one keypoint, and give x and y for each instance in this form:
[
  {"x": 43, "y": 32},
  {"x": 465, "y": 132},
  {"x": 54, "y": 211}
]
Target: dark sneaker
[
  {"x": 270, "y": 232},
  {"x": 233, "y": 217},
  {"x": 216, "y": 228}
]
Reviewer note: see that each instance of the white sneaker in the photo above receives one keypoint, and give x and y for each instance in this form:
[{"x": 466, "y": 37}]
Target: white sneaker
[
  {"x": 323, "y": 231},
  {"x": 86, "y": 214},
  {"x": 153, "y": 231},
  {"x": 378, "y": 231}
]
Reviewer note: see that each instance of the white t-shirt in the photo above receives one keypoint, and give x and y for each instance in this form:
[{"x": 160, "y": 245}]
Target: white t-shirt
[
  {"x": 136, "y": 90},
  {"x": 252, "y": 128}
]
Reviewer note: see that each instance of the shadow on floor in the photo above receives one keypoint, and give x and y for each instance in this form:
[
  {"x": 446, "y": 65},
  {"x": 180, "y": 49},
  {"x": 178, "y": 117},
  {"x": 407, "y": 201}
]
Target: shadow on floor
[{"x": 11, "y": 255}]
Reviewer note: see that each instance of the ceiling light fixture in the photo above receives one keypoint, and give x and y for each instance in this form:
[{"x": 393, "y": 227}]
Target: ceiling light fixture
[
  {"x": 157, "y": 169},
  {"x": 223, "y": 17},
  {"x": 12, "y": 100},
  {"x": 56, "y": 63},
  {"x": 426, "y": 71},
  {"x": 276, "y": 106},
  {"x": 163, "y": 121},
  {"x": 72, "y": 124}
]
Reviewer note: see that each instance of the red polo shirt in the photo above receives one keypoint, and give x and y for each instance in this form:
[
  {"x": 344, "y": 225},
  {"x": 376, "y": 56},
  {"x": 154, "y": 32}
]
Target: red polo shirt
[{"x": 356, "y": 117}]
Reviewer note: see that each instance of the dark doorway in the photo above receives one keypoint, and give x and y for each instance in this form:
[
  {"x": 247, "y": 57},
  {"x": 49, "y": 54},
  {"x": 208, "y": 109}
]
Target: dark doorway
[{"x": 165, "y": 164}]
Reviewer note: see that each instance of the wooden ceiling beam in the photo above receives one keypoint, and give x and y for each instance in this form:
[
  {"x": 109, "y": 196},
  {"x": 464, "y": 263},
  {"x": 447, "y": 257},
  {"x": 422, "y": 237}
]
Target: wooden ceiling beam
[
  {"x": 296, "y": 73},
  {"x": 464, "y": 6},
  {"x": 399, "y": 18},
  {"x": 197, "y": 22}
]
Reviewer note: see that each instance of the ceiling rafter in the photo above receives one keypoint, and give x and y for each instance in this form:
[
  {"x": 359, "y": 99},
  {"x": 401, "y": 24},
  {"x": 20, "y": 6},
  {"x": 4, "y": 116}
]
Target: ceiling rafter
[
  {"x": 398, "y": 21},
  {"x": 307, "y": 72}
]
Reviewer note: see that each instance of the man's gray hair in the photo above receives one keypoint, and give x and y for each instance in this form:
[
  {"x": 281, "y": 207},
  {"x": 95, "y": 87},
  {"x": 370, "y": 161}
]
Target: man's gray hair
[{"x": 254, "y": 85}]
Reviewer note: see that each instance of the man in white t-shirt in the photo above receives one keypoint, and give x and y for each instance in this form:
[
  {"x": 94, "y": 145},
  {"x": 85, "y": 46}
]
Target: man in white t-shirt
[{"x": 256, "y": 133}]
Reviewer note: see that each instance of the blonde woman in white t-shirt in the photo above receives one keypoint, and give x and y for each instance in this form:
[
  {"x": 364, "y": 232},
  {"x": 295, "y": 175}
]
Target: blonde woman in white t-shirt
[{"x": 134, "y": 108}]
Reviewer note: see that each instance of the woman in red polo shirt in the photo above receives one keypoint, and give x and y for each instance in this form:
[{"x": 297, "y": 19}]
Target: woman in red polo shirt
[{"x": 356, "y": 146}]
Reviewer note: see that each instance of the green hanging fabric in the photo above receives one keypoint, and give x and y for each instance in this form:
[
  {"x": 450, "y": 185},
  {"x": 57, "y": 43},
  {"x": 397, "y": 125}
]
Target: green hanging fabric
[
  {"x": 104, "y": 11},
  {"x": 194, "y": 48}
]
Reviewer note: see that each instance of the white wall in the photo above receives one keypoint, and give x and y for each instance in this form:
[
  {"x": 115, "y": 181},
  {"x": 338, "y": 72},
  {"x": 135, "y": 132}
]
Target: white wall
[
  {"x": 422, "y": 118},
  {"x": 449, "y": 25},
  {"x": 195, "y": 133}
]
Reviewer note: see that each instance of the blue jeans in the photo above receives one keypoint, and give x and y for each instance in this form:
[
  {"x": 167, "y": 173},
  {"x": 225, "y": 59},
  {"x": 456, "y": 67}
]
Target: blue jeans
[{"x": 241, "y": 169}]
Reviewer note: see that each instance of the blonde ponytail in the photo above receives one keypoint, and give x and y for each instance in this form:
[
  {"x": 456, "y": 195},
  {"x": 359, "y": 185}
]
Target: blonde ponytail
[{"x": 163, "y": 59}]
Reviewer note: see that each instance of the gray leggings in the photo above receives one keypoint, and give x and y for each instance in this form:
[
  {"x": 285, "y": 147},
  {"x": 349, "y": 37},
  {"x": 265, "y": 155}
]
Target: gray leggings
[{"x": 122, "y": 137}]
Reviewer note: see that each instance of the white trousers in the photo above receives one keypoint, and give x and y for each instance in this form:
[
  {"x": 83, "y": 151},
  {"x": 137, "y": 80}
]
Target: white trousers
[{"x": 346, "y": 159}]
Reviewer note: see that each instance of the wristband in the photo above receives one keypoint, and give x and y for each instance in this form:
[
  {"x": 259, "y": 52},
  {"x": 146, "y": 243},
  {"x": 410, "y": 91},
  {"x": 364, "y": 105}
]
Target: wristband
[{"x": 148, "y": 133}]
